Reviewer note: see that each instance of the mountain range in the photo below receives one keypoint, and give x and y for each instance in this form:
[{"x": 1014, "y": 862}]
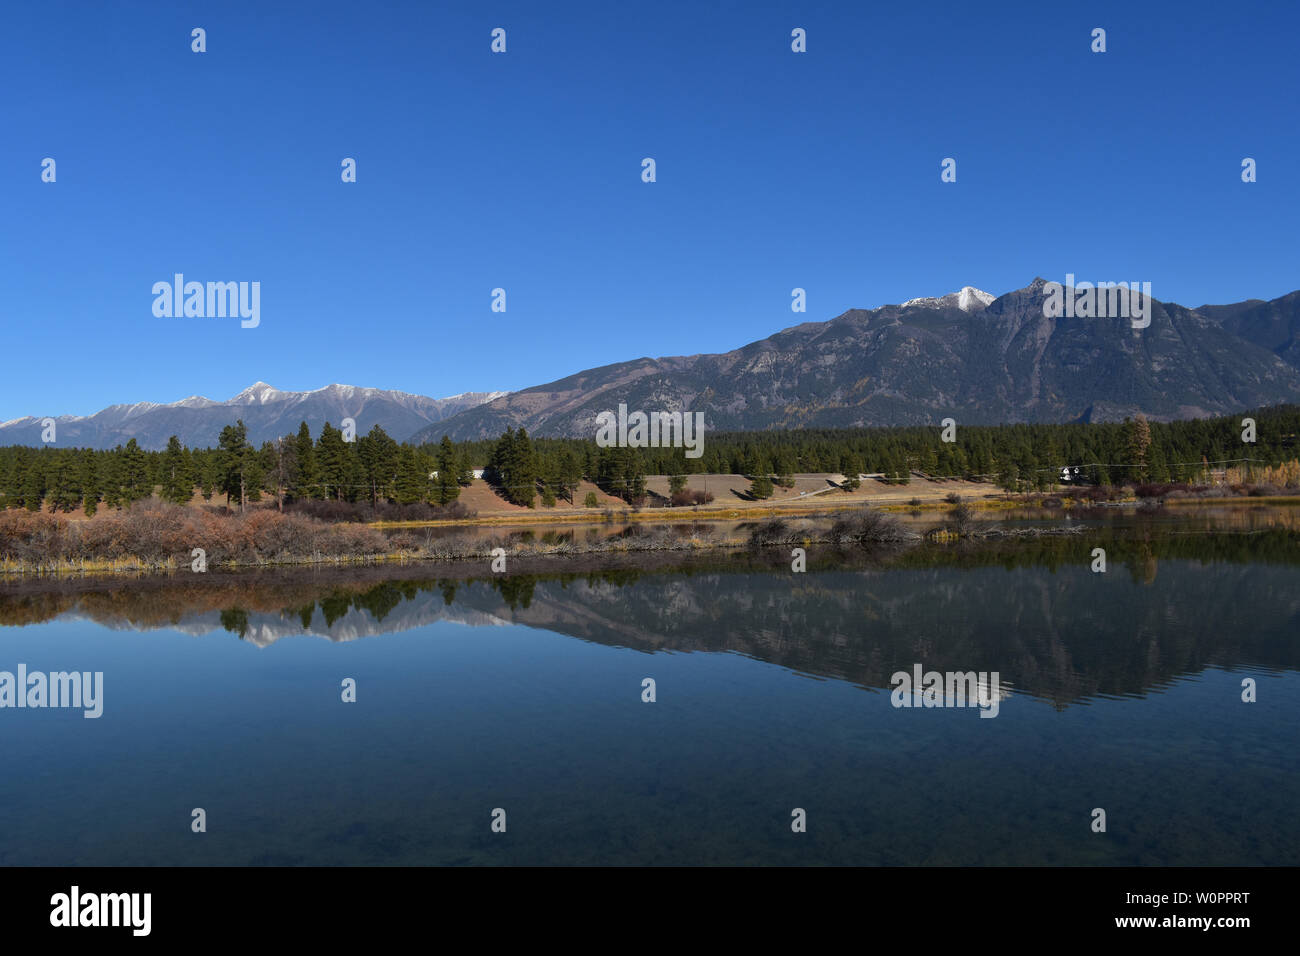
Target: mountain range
[
  {"x": 972, "y": 356},
  {"x": 969, "y": 355},
  {"x": 268, "y": 412}
]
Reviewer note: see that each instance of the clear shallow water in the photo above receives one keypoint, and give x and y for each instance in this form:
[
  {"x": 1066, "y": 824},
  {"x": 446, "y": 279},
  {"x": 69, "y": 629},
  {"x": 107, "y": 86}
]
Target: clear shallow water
[{"x": 773, "y": 693}]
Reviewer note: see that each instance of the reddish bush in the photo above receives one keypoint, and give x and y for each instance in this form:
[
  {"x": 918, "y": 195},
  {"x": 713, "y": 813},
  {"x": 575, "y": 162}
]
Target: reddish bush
[
  {"x": 154, "y": 532},
  {"x": 354, "y": 540},
  {"x": 28, "y": 535}
]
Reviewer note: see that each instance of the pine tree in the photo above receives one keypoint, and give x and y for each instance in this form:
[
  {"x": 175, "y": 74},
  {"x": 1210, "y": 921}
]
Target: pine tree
[
  {"x": 514, "y": 467},
  {"x": 1157, "y": 467},
  {"x": 89, "y": 483},
  {"x": 785, "y": 466},
  {"x": 306, "y": 475},
  {"x": 850, "y": 468},
  {"x": 464, "y": 468},
  {"x": 447, "y": 485},
  {"x": 524, "y": 477},
  {"x": 332, "y": 458},
  {"x": 412, "y": 477},
  {"x": 136, "y": 483},
  {"x": 570, "y": 475},
  {"x": 1137, "y": 441},
  {"x": 208, "y": 474},
  {"x": 177, "y": 483},
  {"x": 110, "y": 479},
  {"x": 1009, "y": 476},
  {"x": 633, "y": 476},
  {"x": 64, "y": 491},
  {"x": 377, "y": 456},
  {"x": 608, "y": 477},
  {"x": 238, "y": 470}
]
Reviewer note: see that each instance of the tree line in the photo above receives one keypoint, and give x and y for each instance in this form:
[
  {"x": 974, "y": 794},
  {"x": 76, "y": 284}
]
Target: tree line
[
  {"x": 375, "y": 468},
  {"x": 372, "y": 468},
  {"x": 1015, "y": 457}
]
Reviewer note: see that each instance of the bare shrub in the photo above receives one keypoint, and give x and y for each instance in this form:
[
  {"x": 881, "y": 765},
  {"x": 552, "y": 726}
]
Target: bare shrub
[
  {"x": 961, "y": 520},
  {"x": 768, "y": 533},
  {"x": 155, "y": 533},
  {"x": 865, "y": 528}
]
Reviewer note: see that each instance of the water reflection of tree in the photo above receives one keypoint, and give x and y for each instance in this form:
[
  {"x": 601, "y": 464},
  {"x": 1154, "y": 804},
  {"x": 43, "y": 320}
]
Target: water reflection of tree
[
  {"x": 1064, "y": 636},
  {"x": 235, "y": 620},
  {"x": 1142, "y": 564},
  {"x": 516, "y": 590},
  {"x": 448, "y": 589}
]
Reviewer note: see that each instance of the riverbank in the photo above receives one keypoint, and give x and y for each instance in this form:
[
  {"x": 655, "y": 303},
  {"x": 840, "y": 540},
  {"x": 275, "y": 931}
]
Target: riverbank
[{"x": 153, "y": 536}]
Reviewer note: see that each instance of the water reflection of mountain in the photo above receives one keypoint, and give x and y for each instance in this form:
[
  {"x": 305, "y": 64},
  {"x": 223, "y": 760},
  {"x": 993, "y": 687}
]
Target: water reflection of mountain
[
  {"x": 1037, "y": 615},
  {"x": 265, "y": 628}
]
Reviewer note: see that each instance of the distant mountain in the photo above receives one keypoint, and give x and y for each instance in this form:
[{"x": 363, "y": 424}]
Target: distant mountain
[
  {"x": 979, "y": 359},
  {"x": 268, "y": 412},
  {"x": 1272, "y": 325},
  {"x": 969, "y": 355},
  {"x": 969, "y": 299}
]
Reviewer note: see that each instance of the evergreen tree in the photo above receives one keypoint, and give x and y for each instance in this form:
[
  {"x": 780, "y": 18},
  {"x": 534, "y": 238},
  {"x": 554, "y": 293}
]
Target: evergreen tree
[
  {"x": 208, "y": 474},
  {"x": 177, "y": 483},
  {"x": 377, "y": 456},
  {"x": 464, "y": 469},
  {"x": 1158, "y": 467},
  {"x": 785, "y": 466},
  {"x": 64, "y": 491},
  {"x": 334, "y": 462},
  {"x": 570, "y": 475},
  {"x": 136, "y": 482},
  {"x": 412, "y": 477},
  {"x": 850, "y": 468},
  {"x": 239, "y": 474},
  {"x": 1009, "y": 477},
  {"x": 110, "y": 479},
  {"x": 514, "y": 467},
  {"x": 633, "y": 476},
  {"x": 33, "y": 484},
  {"x": 1137, "y": 441},
  {"x": 447, "y": 484},
  {"x": 306, "y": 476},
  {"x": 89, "y": 483}
]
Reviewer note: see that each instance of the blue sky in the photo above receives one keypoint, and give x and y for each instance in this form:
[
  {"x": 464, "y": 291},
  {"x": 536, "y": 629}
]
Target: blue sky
[{"x": 523, "y": 171}]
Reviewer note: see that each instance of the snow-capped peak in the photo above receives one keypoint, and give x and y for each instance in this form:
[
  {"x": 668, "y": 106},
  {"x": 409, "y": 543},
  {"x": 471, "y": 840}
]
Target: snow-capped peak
[
  {"x": 486, "y": 396},
  {"x": 258, "y": 393},
  {"x": 969, "y": 299}
]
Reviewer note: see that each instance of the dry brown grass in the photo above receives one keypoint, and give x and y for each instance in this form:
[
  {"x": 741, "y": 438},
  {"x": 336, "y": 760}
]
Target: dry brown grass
[{"x": 153, "y": 534}]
